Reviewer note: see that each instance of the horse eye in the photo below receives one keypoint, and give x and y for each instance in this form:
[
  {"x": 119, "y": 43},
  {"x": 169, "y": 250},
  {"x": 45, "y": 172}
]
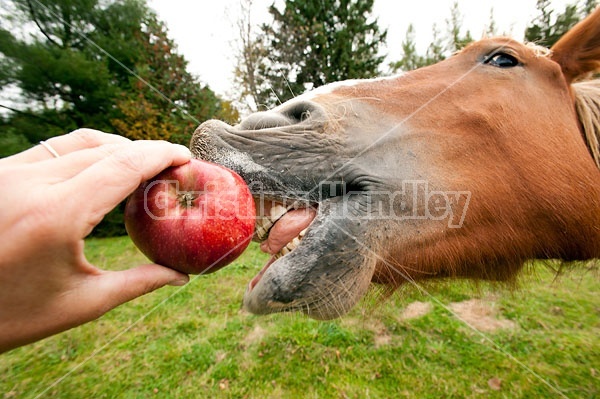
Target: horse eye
[{"x": 502, "y": 60}]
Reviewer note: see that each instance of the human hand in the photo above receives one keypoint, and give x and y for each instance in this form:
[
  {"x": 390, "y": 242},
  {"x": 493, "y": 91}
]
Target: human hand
[{"x": 47, "y": 207}]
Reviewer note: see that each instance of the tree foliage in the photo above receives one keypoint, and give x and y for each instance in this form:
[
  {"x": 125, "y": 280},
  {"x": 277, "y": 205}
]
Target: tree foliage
[
  {"x": 103, "y": 64},
  {"x": 252, "y": 55},
  {"x": 59, "y": 70},
  {"x": 545, "y": 29},
  {"x": 548, "y": 27},
  {"x": 313, "y": 43},
  {"x": 411, "y": 59},
  {"x": 457, "y": 40},
  {"x": 166, "y": 102},
  {"x": 439, "y": 48}
]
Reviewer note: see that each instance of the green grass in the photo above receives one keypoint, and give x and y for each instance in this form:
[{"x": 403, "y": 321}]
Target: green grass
[{"x": 195, "y": 342}]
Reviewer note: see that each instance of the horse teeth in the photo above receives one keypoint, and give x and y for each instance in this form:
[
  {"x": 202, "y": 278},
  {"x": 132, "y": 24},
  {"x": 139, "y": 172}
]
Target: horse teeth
[
  {"x": 264, "y": 222},
  {"x": 303, "y": 232},
  {"x": 262, "y": 226},
  {"x": 261, "y": 232},
  {"x": 277, "y": 211},
  {"x": 290, "y": 246}
]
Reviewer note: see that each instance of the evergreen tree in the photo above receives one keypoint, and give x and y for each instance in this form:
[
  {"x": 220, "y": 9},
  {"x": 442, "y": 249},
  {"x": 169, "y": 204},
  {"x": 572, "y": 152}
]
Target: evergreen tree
[
  {"x": 589, "y": 6},
  {"x": 410, "y": 58},
  {"x": 440, "y": 47},
  {"x": 165, "y": 101},
  {"x": 75, "y": 64},
  {"x": 436, "y": 50},
  {"x": 455, "y": 39},
  {"x": 491, "y": 29},
  {"x": 313, "y": 43},
  {"x": 546, "y": 28},
  {"x": 63, "y": 76}
]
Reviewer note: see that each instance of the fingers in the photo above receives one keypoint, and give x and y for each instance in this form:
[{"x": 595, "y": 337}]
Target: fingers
[
  {"x": 77, "y": 140},
  {"x": 116, "y": 288},
  {"x": 104, "y": 184},
  {"x": 65, "y": 167}
]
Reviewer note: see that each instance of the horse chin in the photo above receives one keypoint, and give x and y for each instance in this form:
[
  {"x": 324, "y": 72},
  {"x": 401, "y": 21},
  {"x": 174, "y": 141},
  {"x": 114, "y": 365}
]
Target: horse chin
[{"x": 322, "y": 277}]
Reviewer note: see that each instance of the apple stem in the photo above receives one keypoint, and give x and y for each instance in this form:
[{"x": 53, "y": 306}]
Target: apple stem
[{"x": 186, "y": 199}]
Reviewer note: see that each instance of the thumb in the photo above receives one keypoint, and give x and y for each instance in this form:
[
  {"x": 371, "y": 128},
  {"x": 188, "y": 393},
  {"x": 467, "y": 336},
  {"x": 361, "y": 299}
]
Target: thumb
[{"x": 123, "y": 286}]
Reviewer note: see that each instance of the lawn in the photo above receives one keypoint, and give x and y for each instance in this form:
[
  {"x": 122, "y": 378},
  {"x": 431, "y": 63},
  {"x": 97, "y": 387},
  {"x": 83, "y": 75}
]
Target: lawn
[{"x": 539, "y": 340}]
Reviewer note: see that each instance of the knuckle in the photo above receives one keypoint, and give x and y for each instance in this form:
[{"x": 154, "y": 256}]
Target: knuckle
[
  {"x": 89, "y": 137},
  {"x": 129, "y": 160}
]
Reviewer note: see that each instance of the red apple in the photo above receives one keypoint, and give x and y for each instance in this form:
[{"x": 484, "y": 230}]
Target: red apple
[{"x": 195, "y": 218}]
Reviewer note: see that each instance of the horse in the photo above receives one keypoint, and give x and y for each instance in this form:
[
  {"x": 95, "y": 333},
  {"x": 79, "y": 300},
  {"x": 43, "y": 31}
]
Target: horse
[{"x": 468, "y": 168}]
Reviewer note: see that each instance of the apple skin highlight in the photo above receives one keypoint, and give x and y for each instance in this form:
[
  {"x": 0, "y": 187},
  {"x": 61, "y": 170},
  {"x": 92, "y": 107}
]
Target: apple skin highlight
[{"x": 195, "y": 218}]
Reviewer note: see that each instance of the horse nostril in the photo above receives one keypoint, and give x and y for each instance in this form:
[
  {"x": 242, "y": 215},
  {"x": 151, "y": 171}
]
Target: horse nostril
[
  {"x": 264, "y": 120},
  {"x": 301, "y": 111},
  {"x": 288, "y": 114}
]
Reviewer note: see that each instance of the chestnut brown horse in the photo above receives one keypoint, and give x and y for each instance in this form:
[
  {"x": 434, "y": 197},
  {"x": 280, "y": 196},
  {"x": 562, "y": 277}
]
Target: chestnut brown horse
[{"x": 467, "y": 168}]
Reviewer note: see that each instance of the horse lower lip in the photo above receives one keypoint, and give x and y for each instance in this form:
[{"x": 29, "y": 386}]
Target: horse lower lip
[
  {"x": 305, "y": 217},
  {"x": 256, "y": 278},
  {"x": 284, "y": 251}
]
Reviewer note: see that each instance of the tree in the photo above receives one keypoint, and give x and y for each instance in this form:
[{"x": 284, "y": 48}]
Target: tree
[
  {"x": 410, "y": 58},
  {"x": 546, "y": 29},
  {"x": 251, "y": 53},
  {"x": 491, "y": 29},
  {"x": 455, "y": 40},
  {"x": 11, "y": 143},
  {"x": 165, "y": 101},
  {"x": 589, "y": 6},
  {"x": 78, "y": 63},
  {"x": 439, "y": 48},
  {"x": 436, "y": 50},
  {"x": 314, "y": 43},
  {"x": 58, "y": 69}
]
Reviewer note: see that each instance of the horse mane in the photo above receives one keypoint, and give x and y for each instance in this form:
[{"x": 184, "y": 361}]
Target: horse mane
[{"x": 587, "y": 105}]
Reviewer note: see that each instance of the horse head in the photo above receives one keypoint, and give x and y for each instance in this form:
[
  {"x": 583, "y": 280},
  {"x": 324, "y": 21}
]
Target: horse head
[{"x": 467, "y": 168}]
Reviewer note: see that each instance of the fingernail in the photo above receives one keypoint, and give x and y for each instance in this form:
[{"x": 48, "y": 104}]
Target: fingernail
[
  {"x": 185, "y": 152},
  {"x": 179, "y": 282}
]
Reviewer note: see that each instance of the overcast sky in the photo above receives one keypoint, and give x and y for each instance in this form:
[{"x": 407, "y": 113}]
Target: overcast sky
[{"x": 205, "y": 30}]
